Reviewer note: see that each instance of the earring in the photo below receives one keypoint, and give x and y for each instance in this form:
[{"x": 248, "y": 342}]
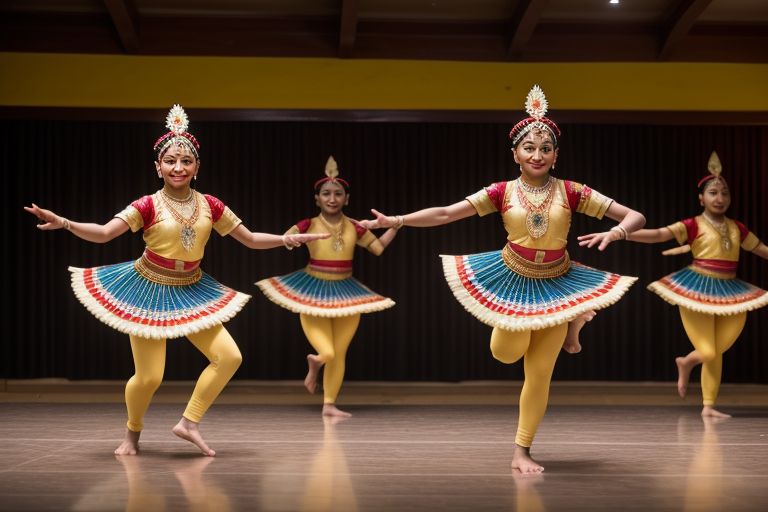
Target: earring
[
  {"x": 195, "y": 177},
  {"x": 553, "y": 166}
]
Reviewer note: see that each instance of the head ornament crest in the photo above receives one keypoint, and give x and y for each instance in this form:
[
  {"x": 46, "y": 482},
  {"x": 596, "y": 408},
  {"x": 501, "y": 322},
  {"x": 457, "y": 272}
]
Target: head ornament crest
[
  {"x": 331, "y": 174},
  {"x": 536, "y": 105},
  {"x": 177, "y": 123},
  {"x": 715, "y": 169}
]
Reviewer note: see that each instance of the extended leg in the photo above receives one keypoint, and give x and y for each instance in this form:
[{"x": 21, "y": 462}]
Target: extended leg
[
  {"x": 225, "y": 358},
  {"x": 149, "y": 364},
  {"x": 344, "y": 329}
]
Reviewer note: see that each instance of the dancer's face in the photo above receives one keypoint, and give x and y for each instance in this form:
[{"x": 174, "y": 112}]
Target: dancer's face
[
  {"x": 332, "y": 198},
  {"x": 536, "y": 154},
  {"x": 178, "y": 166},
  {"x": 716, "y": 198}
]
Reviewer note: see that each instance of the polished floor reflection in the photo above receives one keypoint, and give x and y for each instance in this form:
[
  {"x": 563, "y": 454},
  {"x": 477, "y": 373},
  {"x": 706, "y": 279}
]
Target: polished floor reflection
[{"x": 401, "y": 458}]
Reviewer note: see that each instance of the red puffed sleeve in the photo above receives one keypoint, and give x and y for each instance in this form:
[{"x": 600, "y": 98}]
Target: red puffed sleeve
[
  {"x": 692, "y": 228},
  {"x": 217, "y": 207},
  {"x": 146, "y": 209},
  {"x": 303, "y": 225}
]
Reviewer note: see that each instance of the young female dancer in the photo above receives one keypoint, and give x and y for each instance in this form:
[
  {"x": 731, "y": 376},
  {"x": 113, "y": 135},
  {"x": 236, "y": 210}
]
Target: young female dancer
[
  {"x": 530, "y": 290},
  {"x": 324, "y": 293},
  {"x": 164, "y": 294},
  {"x": 713, "y": 303}
]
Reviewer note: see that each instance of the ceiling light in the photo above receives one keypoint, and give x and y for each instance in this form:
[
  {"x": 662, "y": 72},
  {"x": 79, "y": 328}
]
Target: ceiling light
[{"x": 614, "y": 2}]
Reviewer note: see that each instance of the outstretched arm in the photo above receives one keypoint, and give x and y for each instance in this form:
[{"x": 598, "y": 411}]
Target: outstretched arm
[
  {"x": 428, "y": 217},
  {"x": 761, "y": 250},
  {"x": 97, "y": 233},
  {"x": 628, "y": 220},
  {"x": 269, "y": 241},
  {"x": 651, "y": 236}
]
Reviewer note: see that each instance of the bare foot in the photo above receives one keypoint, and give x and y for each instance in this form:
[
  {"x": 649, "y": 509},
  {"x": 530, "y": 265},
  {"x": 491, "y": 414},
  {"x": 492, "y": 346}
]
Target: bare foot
[
  {"x": 522, "y": 461},
  {"x": 709, "y": 412},
  {"x": 683, "y": 375},
  {"x": 314, "y": 363},
  {"x": 571, "y": 343},
  {"x": 332, "y": 410},
  {"x": 189, "y": 431},
  {"x": 130, "y": 444}
]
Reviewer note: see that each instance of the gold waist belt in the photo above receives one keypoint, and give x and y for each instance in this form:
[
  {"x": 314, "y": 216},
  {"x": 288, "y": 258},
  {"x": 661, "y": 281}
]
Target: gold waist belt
[
  {"x": 160, "y": 275},
  {"x": 528, "y": 268}
]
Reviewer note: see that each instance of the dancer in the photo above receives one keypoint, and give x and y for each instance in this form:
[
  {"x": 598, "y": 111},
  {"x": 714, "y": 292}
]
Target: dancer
[
  {"x": 164, "y": 294},
  {"x": 713, "y": 303},
  {"x": 530, "y": 290},
  {"x": 324, "y": 293}
]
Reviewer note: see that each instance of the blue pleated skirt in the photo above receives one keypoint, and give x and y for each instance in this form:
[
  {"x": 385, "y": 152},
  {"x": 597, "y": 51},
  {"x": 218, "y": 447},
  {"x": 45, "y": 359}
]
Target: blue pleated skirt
[{"x": 500, "y": 297}]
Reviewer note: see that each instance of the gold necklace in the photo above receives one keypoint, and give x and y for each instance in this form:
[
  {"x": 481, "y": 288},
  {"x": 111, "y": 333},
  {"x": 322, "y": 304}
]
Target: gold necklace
[
  {"x": 190, "y": 211},
  {"x": 722, "y": 229},
  {"x": 536, "y": 200},
  {"x": 336, "y": 233}
]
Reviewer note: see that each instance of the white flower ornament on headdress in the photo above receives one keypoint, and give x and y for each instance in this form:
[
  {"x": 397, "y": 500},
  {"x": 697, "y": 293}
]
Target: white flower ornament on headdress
[
  {"x": 177, "y": 120},
  {"x": 536, "y": 103}
]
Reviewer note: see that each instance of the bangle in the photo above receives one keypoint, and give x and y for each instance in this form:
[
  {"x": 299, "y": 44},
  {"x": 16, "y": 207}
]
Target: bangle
[
  {"x": 65, "y": 223},
  {"x": 622, "y": 232},
  {"x": 285, "y": 243},
  {"x": 399, "y": 222}
]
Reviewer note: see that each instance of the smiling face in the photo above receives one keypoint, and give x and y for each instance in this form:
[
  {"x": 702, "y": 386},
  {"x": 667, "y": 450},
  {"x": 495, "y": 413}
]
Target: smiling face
[
  {"x": 536, "y": 154},
  {"x": 716, "y": 198},
  {"x": 331, "y": 198},
  {"x": 177, "y": 166}
]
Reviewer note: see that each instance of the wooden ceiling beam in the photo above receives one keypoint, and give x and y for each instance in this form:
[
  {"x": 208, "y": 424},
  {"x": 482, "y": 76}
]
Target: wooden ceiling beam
[
  {"x": 348, "y": 27},
  {"x": 126, "y": 22},
  {"x": 524, "y": 21},
  {"x": 680, "y": 24}
]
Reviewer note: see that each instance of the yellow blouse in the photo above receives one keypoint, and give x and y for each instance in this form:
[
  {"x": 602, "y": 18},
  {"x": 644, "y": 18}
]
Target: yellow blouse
[
  {"x": 323, "y": 249},
  {"x": 163, "y": 236},
  {"x": 707, "y": 243},
  {"x": 513, "y": 213}
]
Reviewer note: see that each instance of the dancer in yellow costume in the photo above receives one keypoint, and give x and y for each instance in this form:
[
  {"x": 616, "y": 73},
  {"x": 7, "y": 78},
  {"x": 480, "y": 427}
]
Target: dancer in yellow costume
[
  {"x": 530, "y": 291},
  {"x": 713, "y": 303},
  {"x": 326, "y": 296},
  {"x": 164, "y": 294}
]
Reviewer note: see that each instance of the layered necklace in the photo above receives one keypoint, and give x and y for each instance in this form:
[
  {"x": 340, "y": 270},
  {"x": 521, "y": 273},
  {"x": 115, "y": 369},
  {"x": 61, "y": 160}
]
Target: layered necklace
[
  {"x": 185, "y": 212},
  {"x": 722, "y": 229},
  {"x": 536, "y": 200},
  {"x": 336, "y": 232}
]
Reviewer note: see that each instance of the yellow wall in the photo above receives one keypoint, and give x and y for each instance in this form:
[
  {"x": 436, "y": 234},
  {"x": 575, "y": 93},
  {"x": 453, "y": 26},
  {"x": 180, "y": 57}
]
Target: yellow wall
[{"x": 75, "y": 80}]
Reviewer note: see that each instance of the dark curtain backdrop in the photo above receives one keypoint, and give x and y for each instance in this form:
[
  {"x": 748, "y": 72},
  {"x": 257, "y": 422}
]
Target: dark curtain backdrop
[{"x": 88, "y": 171}]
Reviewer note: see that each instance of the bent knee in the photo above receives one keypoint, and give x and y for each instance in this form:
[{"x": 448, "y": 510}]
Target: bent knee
[
  {"x": 504, "y": 357},
  {"x": 707, "y": 356},
  {"x": 148, "y": 382}
]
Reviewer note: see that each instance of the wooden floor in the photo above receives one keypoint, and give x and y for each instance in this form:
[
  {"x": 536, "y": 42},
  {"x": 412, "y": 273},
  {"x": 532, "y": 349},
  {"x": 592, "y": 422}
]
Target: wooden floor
[{"x": 57, "y": 456}]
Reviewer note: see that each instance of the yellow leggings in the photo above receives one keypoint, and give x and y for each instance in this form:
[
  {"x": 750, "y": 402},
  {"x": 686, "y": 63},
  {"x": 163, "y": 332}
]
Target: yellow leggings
[
  {"x": 711, "y": 336},
  {"x": 149, "y": 360},
  {"x": 331, "y": 337},
  {"x": 540, "y": 349}
]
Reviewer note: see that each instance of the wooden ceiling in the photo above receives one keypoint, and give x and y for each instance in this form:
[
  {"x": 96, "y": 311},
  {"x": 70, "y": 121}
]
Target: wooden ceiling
[{"x": 470, "y": 30}]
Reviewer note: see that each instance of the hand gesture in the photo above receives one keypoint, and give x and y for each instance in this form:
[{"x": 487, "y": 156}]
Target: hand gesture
[
  {"x": 47, "y": 220},
  {"x": 603, "y": 239},
  {"x": 296, "y": 240},
  {"x": 381, "y": 221}
]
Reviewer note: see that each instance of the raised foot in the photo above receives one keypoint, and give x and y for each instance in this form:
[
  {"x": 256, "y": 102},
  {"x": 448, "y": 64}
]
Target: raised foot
[
  {"x": 313, "y": 367},
  {"x": 331, "y": 410},
  {"x": 571, "y": 343},
  {"x": 523, "y": 463},
  {"x": 189, "y": 431},
  {"x": 130, "y": 444},
  {"x": 683, "y": 375},
  {"x": 709, "y": 412}
]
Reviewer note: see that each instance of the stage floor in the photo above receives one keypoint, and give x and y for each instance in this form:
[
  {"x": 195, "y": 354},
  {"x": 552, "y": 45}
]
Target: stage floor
[{"x": 58, "y": 456}]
